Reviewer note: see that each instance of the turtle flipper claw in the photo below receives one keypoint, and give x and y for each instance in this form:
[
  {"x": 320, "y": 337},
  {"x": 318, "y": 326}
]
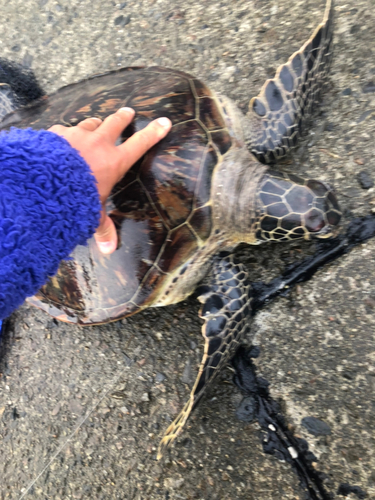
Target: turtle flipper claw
[
  {"x": 175, "y": 429},
  {"x": 226, "y": 311}
]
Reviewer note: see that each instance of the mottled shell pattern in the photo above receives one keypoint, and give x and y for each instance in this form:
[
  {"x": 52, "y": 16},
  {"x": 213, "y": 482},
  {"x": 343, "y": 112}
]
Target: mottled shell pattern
[{"x": 161, "y": 207}]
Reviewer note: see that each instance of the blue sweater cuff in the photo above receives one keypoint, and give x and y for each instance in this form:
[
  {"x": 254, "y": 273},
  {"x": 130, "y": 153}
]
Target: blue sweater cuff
[{"x": 49, "y": 203}]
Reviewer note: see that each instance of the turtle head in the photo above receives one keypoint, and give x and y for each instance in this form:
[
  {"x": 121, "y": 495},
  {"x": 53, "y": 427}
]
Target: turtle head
[{"x": 292, "y": 208}]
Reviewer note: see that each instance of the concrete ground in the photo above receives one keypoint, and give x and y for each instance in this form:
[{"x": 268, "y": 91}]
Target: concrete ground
[{"x": 82, "y": 410}]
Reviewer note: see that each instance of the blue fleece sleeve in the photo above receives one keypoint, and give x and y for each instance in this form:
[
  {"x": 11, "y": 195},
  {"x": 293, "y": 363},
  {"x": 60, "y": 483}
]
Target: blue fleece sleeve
[{"x": 49, "y": 203}]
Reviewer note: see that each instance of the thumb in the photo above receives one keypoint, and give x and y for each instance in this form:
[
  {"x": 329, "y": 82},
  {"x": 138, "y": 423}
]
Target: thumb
[{"x": 106, "y": 235}]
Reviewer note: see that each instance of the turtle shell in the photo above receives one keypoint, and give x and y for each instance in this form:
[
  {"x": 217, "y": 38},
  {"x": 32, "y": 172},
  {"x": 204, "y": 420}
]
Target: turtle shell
[{"x": 161, "y": 207}]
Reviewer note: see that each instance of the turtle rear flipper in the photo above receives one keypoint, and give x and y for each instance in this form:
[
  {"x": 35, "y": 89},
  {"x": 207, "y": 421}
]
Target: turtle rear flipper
[
  {"x": 8, "y": 100},
  {"x": 226, "y": 311},
  {"x": 18, "y": 86},
  {"x": 278, "y": 114}
]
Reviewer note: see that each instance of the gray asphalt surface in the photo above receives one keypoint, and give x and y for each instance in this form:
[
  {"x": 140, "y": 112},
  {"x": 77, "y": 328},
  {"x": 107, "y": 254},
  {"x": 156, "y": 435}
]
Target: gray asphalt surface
[{"x": 82, "y": 410}]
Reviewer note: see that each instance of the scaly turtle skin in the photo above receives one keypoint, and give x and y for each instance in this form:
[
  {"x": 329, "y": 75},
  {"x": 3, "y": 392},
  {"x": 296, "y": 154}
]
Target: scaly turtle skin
[{"x": 186, "y": 205}]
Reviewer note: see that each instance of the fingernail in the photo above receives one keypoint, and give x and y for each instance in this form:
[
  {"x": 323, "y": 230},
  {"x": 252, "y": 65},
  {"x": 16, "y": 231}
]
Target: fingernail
[
  {"x": 96, "y": 118},
  {"x": 106, "y": 246},
  {"x": 127, "y": 110},
  {"x": 164, "y": 122}
]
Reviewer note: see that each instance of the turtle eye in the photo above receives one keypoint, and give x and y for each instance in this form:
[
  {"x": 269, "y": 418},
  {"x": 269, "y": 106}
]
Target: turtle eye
[{"x": 314, "y": 220}]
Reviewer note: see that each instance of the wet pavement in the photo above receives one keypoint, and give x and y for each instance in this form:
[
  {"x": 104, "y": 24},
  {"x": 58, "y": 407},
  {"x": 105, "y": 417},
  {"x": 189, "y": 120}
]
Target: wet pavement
[{"x": 82, "y": 409}]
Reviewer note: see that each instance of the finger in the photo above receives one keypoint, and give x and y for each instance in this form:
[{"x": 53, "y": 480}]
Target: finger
[
  {"x": 106, "y": 235},
  {"x": 90, "y": 124},
  {"x": 139, "y": 143},
  {"x": 114, "y": 124},
  {"x": 58, "y": 129}
]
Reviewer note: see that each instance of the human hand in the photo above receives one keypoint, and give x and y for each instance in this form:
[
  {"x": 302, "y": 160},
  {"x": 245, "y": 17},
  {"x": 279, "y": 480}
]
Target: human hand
[{"x": 95, "y": 140}]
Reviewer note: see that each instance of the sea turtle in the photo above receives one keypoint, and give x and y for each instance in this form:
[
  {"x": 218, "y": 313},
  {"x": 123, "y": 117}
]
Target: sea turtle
[{"x": 182, "y": 210}]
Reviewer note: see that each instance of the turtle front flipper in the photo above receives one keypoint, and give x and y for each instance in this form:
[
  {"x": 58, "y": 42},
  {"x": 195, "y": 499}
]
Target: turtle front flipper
[
  {"x": 226, "y": 311},
  {"x": 277, "y": 115}
]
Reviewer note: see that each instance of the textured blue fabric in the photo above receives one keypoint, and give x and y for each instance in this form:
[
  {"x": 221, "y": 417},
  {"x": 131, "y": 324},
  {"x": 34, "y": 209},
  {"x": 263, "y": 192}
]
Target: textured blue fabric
[{"x": 49, "y": 203}]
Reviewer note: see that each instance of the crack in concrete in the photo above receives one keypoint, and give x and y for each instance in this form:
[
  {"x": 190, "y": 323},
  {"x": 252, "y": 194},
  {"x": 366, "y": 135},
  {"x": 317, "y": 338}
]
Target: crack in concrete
[{"x": 279, "y": 440}]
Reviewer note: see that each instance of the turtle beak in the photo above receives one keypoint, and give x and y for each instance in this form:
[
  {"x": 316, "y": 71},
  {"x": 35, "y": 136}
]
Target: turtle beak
[
  {"x": 327, "y": 232},
  {"x": 329, "y": 209}
]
